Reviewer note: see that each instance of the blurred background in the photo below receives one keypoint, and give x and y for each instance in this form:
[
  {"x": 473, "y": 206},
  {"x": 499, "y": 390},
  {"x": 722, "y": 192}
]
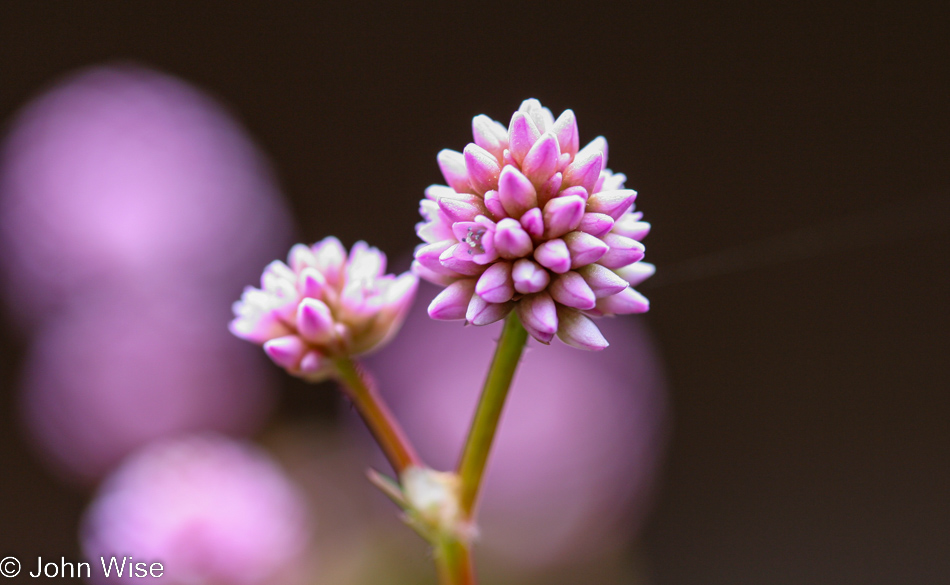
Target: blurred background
[{"x": 787, "y": 393}]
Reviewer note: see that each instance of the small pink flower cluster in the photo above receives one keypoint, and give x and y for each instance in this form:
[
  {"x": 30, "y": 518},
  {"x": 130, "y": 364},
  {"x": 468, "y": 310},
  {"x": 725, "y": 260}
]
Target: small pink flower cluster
[
  {"x": 208, "y": 508},
  {"x": 530, "y": 222},
  {"x": 323, "y": 304}
]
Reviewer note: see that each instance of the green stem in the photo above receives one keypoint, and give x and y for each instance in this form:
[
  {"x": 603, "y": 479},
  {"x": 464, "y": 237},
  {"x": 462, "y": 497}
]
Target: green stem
[
  {"x": 495, "y": 391},
  {"x": 361, "y": 389},
  {"x": 453, "y": 561}
]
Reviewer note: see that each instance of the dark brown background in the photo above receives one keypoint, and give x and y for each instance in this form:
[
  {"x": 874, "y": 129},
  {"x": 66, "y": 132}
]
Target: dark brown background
[{"x": 799, "y": 153}]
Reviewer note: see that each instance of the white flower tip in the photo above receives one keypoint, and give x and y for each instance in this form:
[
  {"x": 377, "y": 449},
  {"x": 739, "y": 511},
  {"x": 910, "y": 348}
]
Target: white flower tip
[
  {"x": 365, "y": 263},
  {"x": 542, "y": 160},
  {"x": 490, "y": 135},
  {"x": 481, "y": 312},
  {"x": 311, "y": 363},
  {"x": 452, "y": 303},
  {"x": 285, "y": 351},
  {"x": 637, "y": 272},
  {"x": 276, "y": 275},
  {"x": 538, "y": 315},
  {"x": 626, "y": 302},
  {"x": 311, "y": 283},
  {"x": 330, "y": 257},
  {"x": 452, "y": 165},
  {"x": 523, "y": 132},
  {"x": 238, "y": 328},
  {"x": 402, "y": 289},
  {"x": 529, "y": 105},
  {"x": 301, "y": 257},
  {"x": 598, "y": 144},
  {"x": 314, "y": 320},
  {"x": 579, "y": 331},
  {"x": 565, "y": 127}
]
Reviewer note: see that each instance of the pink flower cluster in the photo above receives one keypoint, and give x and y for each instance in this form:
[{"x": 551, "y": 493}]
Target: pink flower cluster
[
  {"x": 530, "y": 222},
  {"x": 132, "y": 206},
  {"x": 323, "y": 304}
]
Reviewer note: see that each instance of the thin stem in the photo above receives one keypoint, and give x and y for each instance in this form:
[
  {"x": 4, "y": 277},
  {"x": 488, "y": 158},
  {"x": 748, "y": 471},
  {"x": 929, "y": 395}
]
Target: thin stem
[
  {"x": 453, "y": 561},
  {"x": 361, "y": 389},
  {"x": 494, "y": 392}
]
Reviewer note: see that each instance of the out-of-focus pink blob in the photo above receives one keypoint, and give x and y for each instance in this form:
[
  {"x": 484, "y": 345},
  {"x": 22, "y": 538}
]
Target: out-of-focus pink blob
[
  {"x": 124, "y": 171},
  {"x": 579, "y": 442},
  {"x": 101, "y": 382},
  {"x": 133, "y": 210},
  {"x": 209, "y": 509}
]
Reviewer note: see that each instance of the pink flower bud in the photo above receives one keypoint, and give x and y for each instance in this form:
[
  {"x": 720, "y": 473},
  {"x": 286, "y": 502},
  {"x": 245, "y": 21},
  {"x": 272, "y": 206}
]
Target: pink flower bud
[
  {"x": 452, "y": 303},
  {"x": 495, "y": 284},
  {"x": 562, "y": 214},
  {"x": 623, "y": 251},
  {"x": 490, "y": 135},
  {"x": 529, "y": 277},
  {"x": 453, "y": 168},
  {"x": 541, "y": 161},
  {"x": 285, "y": 351},
  {"x": 482, "y": 167},
  {"x": 612, "y": 203},
  {"x": 596, "y": 145},
  {"x": 533, "y": 222},
  {"x": 565, "y": 128},
  {"x": 579, "y": 331},
  {"x": 456, "y": 210},
  {"x": 482, "y": 312},
  {"x": 554, "y": 255},
  {"x": 314, "y": 321},
  {"x": 584, "y": 248},
  {"x": 636, "y": 273},
  {"x": 511, "y": 241},
  {"x": 629, "y": 225},
  {"x": 522, "y": 134},
  {"x": 624, "y": 302},
  {"x": 516, "y": 192},
  {"x": 570, "y": 290},
  {"x": 539, "y": 316},
  {"x": 584, "y": 172},
  {"x": 596, "y": 224},
  {"x": 603, "y": 281}
]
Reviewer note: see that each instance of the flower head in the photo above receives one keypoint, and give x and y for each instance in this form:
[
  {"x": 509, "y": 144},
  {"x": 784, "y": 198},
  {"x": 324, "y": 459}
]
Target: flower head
[
  {"x": 530, "y": 222},
  {"x": 323, "y": 304}
]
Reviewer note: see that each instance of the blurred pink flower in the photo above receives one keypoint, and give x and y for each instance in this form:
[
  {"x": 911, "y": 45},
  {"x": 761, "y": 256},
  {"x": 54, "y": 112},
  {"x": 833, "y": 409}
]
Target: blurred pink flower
[
  {"x": 102, "y": 381},
  {"x": 125, "y": 176},
  {"x": 530, "y": 222},
  {"x": 323, "y": 305},
  {"x": 132, "y": 208},
  {"x": 570, "y": 475},
  {"x": 211, "y": 510}
]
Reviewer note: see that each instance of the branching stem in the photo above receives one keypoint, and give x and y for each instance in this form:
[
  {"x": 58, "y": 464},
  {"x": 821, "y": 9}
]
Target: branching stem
[{"x": 360, "y": 387}]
